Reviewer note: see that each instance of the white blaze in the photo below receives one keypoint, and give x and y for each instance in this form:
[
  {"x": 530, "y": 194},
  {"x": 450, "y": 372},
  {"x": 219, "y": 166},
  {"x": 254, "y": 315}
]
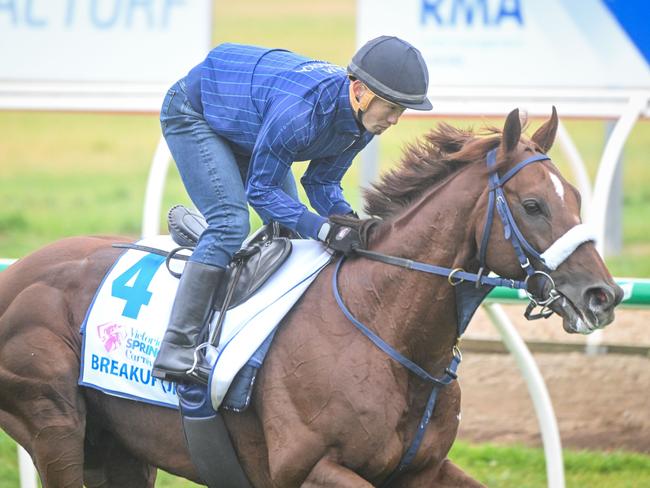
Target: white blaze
[{"x": 559, "y": 187}]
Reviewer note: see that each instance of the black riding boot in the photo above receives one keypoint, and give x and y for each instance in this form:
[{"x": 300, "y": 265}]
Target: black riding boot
[{"x": 192, "y": 307}]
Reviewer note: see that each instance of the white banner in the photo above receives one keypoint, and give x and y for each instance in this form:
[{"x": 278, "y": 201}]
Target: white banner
[
  {"x": 98, "y": 55},
  {"x": 138, "y": 41},
  {"x": 519, "y": 43}
]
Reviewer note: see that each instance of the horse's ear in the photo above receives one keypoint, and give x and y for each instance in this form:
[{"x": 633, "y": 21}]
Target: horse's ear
[
  {"x": 545, "y": 135},
  {"x": 511, "y": 132}
]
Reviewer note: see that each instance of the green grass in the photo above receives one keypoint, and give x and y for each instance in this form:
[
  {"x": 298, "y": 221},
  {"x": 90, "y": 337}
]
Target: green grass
[
  {"x": 524, "y": 467},
  {"x": 323, "y": 29},
  {"x": 496, "y": 466},
  {"x": 8, "y": 462}
]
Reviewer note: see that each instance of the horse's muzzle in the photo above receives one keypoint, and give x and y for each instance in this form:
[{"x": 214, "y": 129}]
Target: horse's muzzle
[{"x": 591, "y": 309}]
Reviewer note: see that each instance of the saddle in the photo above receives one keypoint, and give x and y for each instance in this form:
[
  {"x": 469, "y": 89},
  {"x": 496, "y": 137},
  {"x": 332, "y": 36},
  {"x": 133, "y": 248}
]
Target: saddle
[
  {"x": 261, "y": 254},
  {"x": 259, "y": 257}
]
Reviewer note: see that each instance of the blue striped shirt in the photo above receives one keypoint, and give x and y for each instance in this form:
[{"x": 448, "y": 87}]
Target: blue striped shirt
[{"x": 279, "y": 107}]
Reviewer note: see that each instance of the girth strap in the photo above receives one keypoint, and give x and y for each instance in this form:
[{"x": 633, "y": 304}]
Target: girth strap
[{"x": 208, "y": 440}]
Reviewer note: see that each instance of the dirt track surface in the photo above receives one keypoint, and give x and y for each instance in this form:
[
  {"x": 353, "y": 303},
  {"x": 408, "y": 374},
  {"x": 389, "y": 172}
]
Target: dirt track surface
[{"x": 601, "y": 402}]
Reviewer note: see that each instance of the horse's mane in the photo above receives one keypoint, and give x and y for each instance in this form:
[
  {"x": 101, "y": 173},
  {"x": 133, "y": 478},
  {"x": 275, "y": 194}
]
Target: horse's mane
[{"x": 433, "y": 157}]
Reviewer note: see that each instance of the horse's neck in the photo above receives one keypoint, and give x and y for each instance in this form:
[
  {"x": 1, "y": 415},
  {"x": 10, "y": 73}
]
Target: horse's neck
[{"x": 413, "y": 311}]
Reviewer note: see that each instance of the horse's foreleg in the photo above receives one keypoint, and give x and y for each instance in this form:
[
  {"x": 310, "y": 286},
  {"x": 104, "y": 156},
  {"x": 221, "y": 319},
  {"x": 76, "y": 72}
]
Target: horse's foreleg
[
  {"x": 109, "y": 465},
  {"x": 327, "y": 473},
  {"x": 57, "y": 452}
]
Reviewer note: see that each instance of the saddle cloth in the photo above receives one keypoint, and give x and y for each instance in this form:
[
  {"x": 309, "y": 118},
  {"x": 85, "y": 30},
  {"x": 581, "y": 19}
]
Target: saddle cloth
[{"x": 127, "y": 318}]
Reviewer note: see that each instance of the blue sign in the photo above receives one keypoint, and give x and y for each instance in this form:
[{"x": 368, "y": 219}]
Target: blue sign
[{"x": 634, "y": 17}]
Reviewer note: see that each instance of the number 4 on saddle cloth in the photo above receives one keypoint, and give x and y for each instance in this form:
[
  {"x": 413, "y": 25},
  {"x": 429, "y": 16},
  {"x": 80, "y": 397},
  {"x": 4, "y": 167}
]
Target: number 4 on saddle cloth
[{"x": 127, "y": 319}]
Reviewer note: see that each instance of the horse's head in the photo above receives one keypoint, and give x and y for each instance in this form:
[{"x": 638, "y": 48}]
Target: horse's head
[{"x": 539, "y": 223}]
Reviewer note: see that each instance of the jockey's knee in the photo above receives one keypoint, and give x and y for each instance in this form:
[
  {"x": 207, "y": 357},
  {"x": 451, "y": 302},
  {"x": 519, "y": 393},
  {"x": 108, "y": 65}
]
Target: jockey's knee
[{"x": 220, "y": 241}]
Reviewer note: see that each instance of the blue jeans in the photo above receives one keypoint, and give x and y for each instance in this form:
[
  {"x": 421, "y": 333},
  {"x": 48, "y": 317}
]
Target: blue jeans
[{"x": 213, "y": 175}]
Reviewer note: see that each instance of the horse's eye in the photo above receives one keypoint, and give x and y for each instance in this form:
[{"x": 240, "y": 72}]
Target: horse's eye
[{"x": 532, "y": 207}]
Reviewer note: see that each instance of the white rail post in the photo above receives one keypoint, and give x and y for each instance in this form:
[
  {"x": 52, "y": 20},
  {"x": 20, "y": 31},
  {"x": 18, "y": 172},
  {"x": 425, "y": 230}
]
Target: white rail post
[
  {"x": 608, "y": 163},
  {"x": 26, "y": 470},
  {"x": 155, "y": 187},
  {"x": 603, "y": 186},
  {"x": 538, "y": 393}
]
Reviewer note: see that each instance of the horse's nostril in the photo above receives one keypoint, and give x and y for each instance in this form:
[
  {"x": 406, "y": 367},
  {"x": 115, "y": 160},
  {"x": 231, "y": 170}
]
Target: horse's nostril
[{"x": 601, "y": 298}]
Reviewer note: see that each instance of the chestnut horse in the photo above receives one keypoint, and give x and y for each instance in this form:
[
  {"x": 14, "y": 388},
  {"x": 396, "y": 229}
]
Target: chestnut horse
[{"x": 329, "y": 408}]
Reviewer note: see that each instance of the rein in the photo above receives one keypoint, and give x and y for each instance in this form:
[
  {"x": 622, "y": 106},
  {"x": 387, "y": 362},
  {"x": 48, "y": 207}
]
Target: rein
[
  {"x": 454, "y": 276},
  {"x": 449, "y": 376},
  {"x": 549, "y": 260}
]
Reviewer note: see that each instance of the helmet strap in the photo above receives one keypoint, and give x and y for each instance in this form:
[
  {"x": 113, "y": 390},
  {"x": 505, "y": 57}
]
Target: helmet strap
[{"x": 362, "y": 104}]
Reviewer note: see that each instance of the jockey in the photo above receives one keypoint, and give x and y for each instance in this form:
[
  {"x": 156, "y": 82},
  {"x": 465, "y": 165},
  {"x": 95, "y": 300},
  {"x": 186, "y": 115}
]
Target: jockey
[{"x": 235, "y": 125}]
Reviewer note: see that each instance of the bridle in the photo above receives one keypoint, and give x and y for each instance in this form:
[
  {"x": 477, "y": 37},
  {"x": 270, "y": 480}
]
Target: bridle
[
  {"x": 548, "y": 261},
  {"x": 497, "y": 200}
]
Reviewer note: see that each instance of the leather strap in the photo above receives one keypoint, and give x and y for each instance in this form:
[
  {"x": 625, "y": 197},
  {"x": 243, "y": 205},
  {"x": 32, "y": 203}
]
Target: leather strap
[
  {"x": 208, "y": 440},
  {"x": 449, "y": 376}
]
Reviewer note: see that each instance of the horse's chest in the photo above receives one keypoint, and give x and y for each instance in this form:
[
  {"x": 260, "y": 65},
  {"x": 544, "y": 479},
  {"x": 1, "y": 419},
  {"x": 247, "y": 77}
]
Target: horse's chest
[
  {"x": 317, "y": 401},
  {"x": 376, "y": 429},
  {"x": 390, "y": 428}
]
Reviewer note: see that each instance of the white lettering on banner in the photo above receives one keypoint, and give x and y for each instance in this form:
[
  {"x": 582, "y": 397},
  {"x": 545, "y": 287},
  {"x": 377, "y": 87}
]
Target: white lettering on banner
[
  {"x": 485, "y": 12},
  {"x": 98, "y": 14}
]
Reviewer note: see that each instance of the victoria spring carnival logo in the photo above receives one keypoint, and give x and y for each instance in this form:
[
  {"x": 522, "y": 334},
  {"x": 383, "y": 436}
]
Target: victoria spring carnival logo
[{"x": 112, "y": 335}]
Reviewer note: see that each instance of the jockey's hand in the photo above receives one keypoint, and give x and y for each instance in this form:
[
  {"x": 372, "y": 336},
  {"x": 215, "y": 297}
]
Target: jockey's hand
[{"x": 340, "y": 238}]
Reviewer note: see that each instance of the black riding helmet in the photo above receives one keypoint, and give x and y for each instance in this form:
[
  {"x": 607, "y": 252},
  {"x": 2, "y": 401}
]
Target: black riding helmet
[{"x": 394, "y": 70}]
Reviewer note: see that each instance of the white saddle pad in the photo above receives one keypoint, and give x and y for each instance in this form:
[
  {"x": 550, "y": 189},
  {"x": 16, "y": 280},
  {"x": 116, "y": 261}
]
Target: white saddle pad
[{"x": 127, "y": 319}]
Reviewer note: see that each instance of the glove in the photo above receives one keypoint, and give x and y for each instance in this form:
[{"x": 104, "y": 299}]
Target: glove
[{"x": 340, "y": 238}]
